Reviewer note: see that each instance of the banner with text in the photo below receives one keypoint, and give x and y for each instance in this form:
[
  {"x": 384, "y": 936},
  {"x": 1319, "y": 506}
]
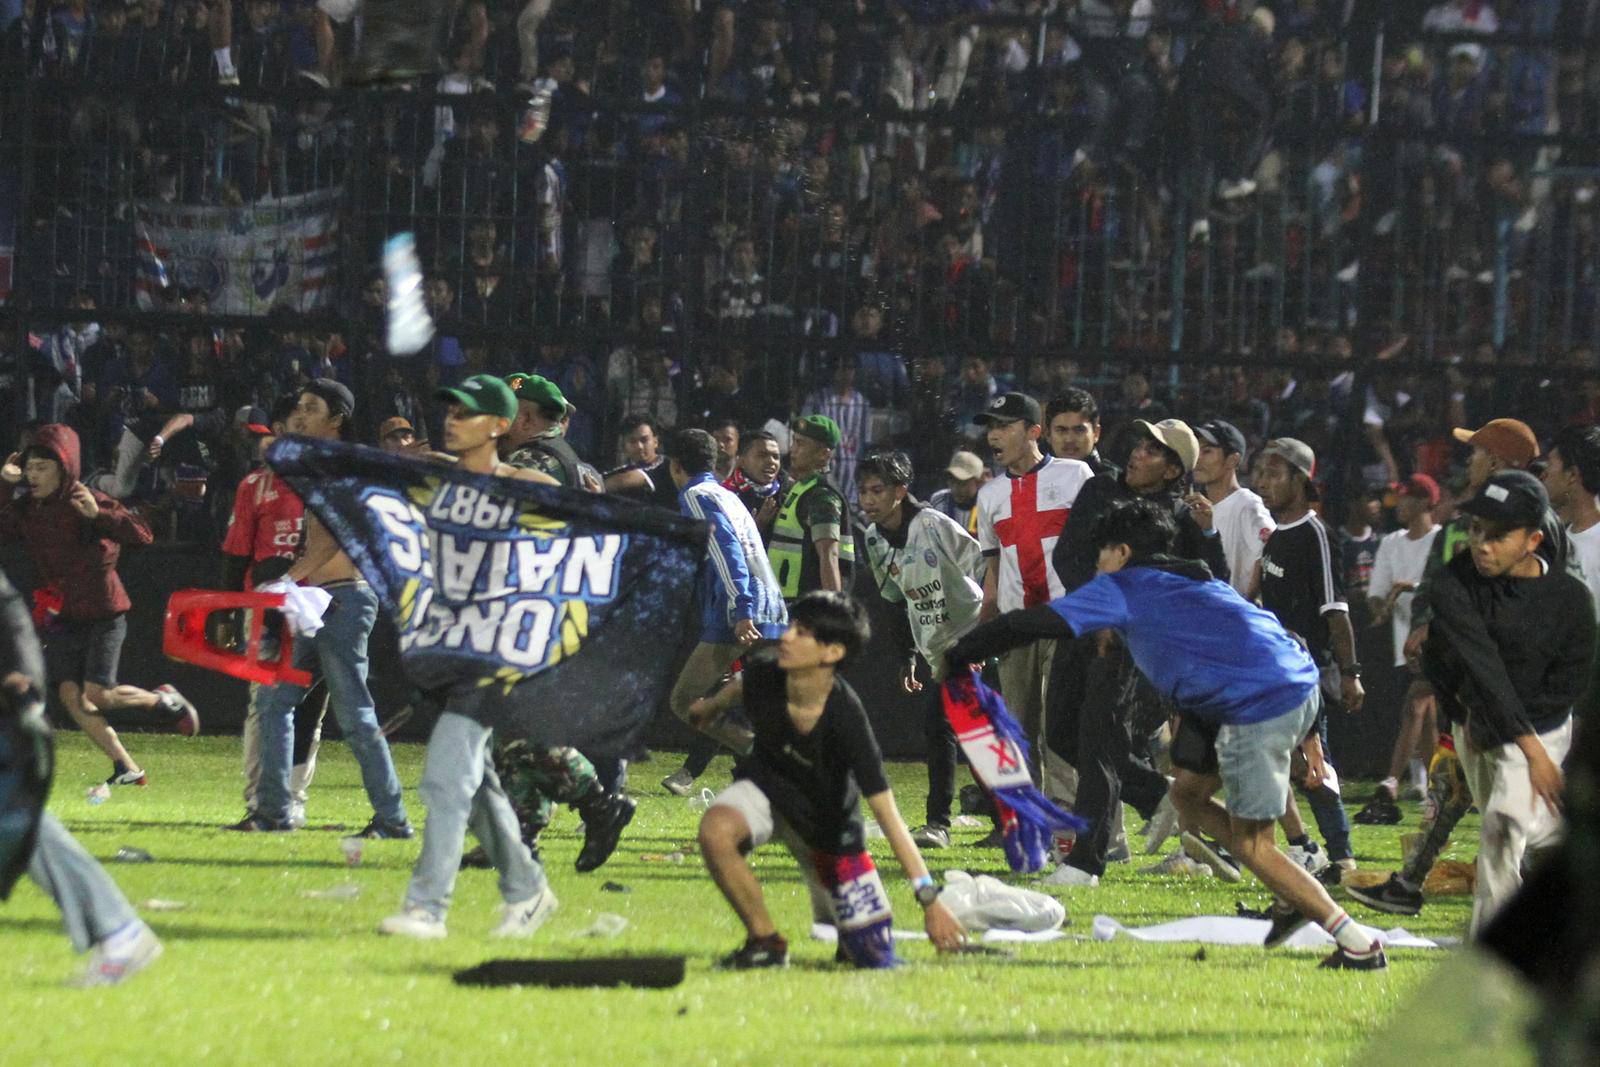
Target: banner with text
[{"x": 546, "y": 613}]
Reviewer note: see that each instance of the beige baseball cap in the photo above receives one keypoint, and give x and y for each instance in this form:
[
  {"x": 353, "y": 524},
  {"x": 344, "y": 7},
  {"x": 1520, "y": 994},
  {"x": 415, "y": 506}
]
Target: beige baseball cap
[
  {"x": 1176, "y": 435},
  {"x": 965, "y": 466}
]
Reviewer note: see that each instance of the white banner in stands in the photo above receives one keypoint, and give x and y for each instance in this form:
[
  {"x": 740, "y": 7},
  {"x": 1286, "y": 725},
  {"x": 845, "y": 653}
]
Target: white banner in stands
[{"x": 277, "y": 253}]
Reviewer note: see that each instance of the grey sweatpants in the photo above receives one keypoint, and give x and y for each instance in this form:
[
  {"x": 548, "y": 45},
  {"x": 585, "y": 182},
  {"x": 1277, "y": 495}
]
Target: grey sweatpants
[
  {"x": 461, "y": 792},
  {"x": 92, "y": 907}
]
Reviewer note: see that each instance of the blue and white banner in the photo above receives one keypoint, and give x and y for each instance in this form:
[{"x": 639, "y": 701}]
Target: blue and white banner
[
  {"x": 279, "y": 253},
  {"x": 546, "y": 613}
]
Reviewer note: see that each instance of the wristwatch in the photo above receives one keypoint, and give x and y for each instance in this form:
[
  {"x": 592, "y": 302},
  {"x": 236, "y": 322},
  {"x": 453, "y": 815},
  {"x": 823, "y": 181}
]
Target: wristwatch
[
  {"x": 1352, "y": 671},
  {"x": 927, "y": 890}
]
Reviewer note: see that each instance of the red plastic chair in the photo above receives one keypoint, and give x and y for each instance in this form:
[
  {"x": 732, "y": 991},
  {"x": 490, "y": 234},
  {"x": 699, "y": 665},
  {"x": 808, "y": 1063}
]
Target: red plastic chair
[{"x": 184, "y": 636}]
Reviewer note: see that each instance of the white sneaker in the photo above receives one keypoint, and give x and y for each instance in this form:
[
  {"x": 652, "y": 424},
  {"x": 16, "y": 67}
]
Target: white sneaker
[
  {"x": 1179, "y": 865},
  {"x": 119, "y": 957},
  {"x": 524, "y": 919},
  {"x": 1313, "y": 859},
  {"x": 1162, "y": 825},
  {"x": 413, "y": 921},
  {"x": 1198, "y": 849},
  {"x": 1065, "y": 875}
]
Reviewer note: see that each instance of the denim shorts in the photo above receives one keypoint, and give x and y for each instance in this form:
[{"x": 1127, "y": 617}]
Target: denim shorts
[
  {"x": 80, "y": 652},
  {"x": 1253, "y": 759}
]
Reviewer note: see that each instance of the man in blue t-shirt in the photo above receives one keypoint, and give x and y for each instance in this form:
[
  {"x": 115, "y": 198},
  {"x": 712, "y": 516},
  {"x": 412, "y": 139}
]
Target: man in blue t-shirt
[{"x": 1245, "y": 689}]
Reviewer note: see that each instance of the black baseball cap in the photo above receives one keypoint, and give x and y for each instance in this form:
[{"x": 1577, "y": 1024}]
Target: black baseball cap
[
  {"x": 1224, "y": 435},
  {"x": 1011, "y": 407},
  {"x": 1511, "y": 498}
]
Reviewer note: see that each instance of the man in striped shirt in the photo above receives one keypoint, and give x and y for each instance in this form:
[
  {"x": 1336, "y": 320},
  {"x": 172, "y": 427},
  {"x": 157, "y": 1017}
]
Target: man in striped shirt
[{"x": 850, "y": 411}]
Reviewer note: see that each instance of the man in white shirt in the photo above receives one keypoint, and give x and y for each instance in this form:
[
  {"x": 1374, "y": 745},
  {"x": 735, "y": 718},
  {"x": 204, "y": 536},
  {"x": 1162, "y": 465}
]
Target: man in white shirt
[
  {"x": 1396, "y": 573},
  {"x": 1572, "y": 479},
  {"x": 1238, "y": 516},
  {"x": 1020, "y": 519}
]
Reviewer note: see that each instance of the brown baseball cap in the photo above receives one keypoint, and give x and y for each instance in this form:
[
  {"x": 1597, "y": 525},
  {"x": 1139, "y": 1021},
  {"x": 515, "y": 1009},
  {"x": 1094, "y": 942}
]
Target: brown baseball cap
[
  {"x": 1510, "y": 440},
  {"x": 394, "y": 424}
]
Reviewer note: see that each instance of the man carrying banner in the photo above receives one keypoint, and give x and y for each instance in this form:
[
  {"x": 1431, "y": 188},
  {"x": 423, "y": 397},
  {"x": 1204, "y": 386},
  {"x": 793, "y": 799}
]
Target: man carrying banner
[
  {"x": 538, "y": 777},
  {"x": 338, "y": 651},
  {"x": 459, "y": 784},
  {"x": 814, "y": 756},
  {"x": 923, "y": 559},
  {"x": 740, "y": 602},
  {"x": 1246, "y": 690}
]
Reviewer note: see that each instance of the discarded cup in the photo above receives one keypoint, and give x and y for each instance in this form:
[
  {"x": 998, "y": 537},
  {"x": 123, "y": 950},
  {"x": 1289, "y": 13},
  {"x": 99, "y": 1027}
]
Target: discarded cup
[
  {"x": 700, "y": 801},
  {"x": 97, "y": 794},
  {"x": 128, "y": 854},
  {"x": 352, "y": 847},
  {"x": 156, "y": 904},
  {"x": 606, "y": 924},
  {"x": 346, "y": 891}
]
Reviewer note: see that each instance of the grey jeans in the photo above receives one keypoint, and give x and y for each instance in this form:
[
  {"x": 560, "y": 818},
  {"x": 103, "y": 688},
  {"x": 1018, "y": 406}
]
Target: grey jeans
[
  {"x": 92, "y": 907},
  {"x": 461, "y": 792}
]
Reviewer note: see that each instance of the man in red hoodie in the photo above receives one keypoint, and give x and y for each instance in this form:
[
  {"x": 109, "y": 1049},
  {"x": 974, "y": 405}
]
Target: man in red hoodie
[{"x": 75, "y": 536}]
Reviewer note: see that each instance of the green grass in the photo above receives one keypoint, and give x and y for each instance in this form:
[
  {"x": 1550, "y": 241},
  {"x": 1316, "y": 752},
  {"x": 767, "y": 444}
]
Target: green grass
[{"x": 255, "y": 972}]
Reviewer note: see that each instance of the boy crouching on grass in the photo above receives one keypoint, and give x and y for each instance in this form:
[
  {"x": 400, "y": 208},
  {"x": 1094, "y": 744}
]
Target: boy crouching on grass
[{"x": 814, "y": 755}]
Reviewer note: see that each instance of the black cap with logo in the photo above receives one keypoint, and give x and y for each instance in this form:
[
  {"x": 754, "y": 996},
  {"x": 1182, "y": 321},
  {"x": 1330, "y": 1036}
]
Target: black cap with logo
[
  {"x": 1511, "y": 498},
  {"x": 1011, "y": 407}
]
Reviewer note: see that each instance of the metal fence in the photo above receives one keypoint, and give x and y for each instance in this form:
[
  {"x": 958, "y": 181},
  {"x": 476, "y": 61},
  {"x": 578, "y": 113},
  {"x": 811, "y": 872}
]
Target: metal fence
[{"x": 1057, "y": 223}]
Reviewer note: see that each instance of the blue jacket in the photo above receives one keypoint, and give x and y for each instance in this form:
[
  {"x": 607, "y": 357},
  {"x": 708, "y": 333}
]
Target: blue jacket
[{"x": 736, "y": 581}]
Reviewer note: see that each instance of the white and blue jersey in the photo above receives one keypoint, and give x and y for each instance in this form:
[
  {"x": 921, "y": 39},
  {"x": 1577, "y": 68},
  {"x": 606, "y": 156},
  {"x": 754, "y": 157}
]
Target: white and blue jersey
[
  {"x": 736, "y": 581},
  {"x": 1218, "y": 656}
]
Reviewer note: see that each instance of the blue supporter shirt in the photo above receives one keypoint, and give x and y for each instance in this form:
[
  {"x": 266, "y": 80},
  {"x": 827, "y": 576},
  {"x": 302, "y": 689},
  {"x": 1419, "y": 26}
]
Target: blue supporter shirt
[{"x": 1218, "y": 656}]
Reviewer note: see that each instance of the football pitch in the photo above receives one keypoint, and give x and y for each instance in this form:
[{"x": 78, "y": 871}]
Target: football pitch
[{"x": 258, "y": 969}]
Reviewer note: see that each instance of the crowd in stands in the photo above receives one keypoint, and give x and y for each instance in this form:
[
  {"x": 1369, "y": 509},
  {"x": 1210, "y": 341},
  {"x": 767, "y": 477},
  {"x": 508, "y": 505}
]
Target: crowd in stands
[{"x": 887, "y": 211}]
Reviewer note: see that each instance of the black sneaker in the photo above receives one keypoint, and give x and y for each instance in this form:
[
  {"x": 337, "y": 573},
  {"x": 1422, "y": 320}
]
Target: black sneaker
[
  {"x": 602, "y": 829},
  {"x": 1285, "y": 921},
  {"x": 1381, "y": 810},
  {"x": 770, "y": 951},
  {"x": 1393, "y": 896},
  {"x": 256, "y": 824},
  {"x": 379, "y": 829},
  {"x": 1340, "y": 960}
]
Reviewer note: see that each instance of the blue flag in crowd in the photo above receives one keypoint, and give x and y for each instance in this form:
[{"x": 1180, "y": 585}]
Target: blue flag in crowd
[{"x": 546, "y": 613}]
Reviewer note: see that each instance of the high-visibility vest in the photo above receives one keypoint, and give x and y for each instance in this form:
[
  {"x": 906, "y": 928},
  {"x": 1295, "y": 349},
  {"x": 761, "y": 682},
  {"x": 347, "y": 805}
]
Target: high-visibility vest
[{"x": 786, "y": 552}]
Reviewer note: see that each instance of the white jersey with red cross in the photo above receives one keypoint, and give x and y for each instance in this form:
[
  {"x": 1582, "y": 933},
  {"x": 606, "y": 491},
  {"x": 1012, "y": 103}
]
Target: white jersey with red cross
[{"x": 1020, "y": 519}]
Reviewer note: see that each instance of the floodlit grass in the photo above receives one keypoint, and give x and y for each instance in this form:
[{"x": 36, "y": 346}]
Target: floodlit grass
[{"x": 256, "y": 972}]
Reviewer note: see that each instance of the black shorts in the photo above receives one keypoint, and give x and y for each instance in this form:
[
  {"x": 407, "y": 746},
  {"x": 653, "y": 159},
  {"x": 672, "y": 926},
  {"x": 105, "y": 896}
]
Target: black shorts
[
  {"x": 1194, "y": 747},
  {"x": 81, "y": 652}
]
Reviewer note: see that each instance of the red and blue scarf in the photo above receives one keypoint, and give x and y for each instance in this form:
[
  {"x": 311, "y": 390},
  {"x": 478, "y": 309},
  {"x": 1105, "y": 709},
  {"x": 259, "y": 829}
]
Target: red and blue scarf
[{"x": 997, "y": 750}]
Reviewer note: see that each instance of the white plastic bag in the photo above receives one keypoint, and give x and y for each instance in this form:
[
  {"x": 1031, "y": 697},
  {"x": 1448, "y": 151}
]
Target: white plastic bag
[{"x": 985, "y": 903}]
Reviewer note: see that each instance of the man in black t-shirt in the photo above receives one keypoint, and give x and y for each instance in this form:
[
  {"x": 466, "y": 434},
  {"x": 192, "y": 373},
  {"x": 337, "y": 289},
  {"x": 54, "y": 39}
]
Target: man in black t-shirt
[
  {"x": 813, "y": 757},
  {"x": 1302, "y": 585}
]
